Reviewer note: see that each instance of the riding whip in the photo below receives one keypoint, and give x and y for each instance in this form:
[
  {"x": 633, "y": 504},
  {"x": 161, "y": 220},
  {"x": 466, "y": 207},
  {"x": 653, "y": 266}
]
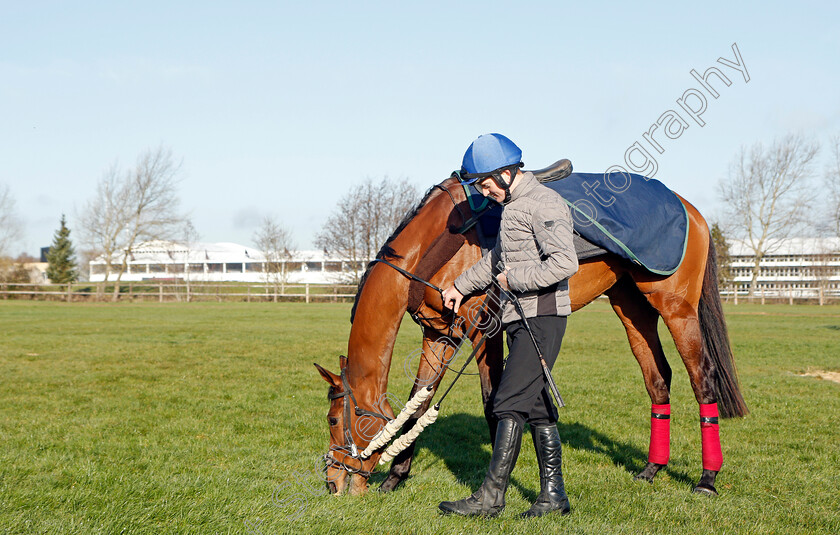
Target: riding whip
[
  {"x": 548, "y": 378},
  {"x": 546, "y": 372}
]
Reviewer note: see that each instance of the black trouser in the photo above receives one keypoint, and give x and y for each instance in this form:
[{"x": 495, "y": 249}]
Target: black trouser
[{"x": 523, "y": 393}]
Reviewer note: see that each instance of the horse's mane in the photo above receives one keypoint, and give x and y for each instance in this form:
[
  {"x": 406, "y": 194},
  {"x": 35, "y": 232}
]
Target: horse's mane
[{"x": 387, "y": 252}]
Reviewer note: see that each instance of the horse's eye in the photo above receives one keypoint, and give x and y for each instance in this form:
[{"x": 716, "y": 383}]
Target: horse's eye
[{"x": 333, "y": 421}]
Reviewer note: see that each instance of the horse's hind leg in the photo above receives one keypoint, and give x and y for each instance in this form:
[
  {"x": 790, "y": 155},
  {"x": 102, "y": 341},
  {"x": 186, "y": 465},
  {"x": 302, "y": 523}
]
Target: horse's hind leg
[
  {"x": 438, "y": 351},
  {"x": 640, "y": 320},
  {"x": 683, "y": 322}
]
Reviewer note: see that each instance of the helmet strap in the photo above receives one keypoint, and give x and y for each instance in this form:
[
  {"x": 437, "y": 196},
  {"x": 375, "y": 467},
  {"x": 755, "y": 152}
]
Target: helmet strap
[{"x": 497, "y": 178}]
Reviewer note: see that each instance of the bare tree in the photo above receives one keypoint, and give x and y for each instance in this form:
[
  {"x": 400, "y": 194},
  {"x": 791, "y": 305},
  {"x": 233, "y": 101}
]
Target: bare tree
[
  {"x": 130, "y": 207},
  {"x": 103, "y": 220},
  {"x": 722, "y": 252},
  {"x": 190, "y": 236},
  {"x": 363, "y": 220},
  {"x": 832, "y": 182},
  {"x": 822, "y": 268},
  {"x": 14, "y": 271},
  {"x": 275, "y": 241},
  {"x": 769, "y": 194},
  {"x": 9, "y": 222},
  {"x": 341, "y": 235}
]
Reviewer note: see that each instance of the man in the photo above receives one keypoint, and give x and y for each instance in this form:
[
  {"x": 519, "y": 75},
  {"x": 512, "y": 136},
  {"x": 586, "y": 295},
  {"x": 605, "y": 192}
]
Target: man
[{"x": 534, "y": 257}]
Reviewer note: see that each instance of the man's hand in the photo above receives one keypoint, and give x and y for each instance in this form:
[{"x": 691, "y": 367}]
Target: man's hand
[
  {"x": 502, "y": 278},
  {"x": 452, "y": 298}
]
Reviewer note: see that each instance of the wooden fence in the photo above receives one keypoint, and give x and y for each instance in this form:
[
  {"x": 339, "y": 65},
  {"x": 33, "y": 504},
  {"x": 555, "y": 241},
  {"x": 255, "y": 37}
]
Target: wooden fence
[
  {"x": 178, "y": 291},
  {"x": 793, "y": 293}
]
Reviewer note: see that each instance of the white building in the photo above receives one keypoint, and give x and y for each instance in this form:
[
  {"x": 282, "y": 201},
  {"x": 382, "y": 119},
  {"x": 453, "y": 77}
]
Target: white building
[
  {"x": 796, "y": 267},
  {"x": 214, "y": 262}
]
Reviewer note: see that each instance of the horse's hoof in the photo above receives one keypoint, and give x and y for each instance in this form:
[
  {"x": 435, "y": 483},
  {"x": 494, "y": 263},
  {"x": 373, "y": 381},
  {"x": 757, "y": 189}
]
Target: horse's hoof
[
  {"x": 706, "y": 485},
  {"x": 649, "y": 472},
  {"x": 358, "y": 486},
  {"x": 641, "y": 476},
  {"x": 389, "y": 484},
  {"x": 705, "y": 491}
]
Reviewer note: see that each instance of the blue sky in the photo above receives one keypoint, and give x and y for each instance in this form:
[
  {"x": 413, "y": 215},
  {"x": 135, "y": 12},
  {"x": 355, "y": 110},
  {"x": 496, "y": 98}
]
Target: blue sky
[{"x": 277, "y": 108}]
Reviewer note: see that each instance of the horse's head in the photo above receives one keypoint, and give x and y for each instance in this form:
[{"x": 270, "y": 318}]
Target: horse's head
[
  {"x": 356, "y": 414},
  {"x": 349, "y": 434}
]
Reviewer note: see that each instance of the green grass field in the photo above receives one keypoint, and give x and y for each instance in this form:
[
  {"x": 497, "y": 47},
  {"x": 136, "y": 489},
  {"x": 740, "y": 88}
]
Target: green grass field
[{"x": 210, "y": 418}]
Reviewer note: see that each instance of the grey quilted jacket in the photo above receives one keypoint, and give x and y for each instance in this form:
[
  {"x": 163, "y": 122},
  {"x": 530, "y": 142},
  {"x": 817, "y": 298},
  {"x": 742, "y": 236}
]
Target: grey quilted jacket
[{"x": 535, "y": 246}]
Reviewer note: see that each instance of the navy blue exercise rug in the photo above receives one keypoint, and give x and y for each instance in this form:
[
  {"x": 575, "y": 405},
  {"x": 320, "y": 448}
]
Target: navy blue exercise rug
[{"x": 629, "y": 215}]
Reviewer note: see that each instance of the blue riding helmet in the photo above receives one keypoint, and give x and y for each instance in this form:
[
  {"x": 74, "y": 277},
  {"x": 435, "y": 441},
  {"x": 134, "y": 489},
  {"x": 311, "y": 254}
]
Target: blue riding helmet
[
  {"x": 488, "y": 157},
  {"x": 488, "y": 154}
]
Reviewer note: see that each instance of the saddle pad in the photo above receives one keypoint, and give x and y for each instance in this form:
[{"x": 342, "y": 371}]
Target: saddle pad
[{"x": 636, "y": 217}]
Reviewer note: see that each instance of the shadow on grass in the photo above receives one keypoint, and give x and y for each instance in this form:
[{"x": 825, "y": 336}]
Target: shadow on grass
[
  {"x": 633, "y": 460},
  {"x": 460, "y": 440}
]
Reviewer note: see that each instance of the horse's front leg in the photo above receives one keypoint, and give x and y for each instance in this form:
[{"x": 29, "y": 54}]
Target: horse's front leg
[
  {"x": 438, "y": 351},
  {"x": 490, "y": 361}
]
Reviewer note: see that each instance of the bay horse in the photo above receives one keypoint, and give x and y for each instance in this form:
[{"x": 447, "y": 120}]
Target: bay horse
[{"x": 687, "y": 300}]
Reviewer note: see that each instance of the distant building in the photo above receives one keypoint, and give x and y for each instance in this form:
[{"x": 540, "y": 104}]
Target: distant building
[
  {"x": 37, "y": 272},
  {"x": 796, "y": 267},
  {"x": 159, "y": 260}
]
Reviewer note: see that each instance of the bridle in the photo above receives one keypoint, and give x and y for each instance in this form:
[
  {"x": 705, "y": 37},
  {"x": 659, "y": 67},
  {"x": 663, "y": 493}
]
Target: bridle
[
  {"x": 349, "y": 443},
  {"x": 347, "y": 393}
]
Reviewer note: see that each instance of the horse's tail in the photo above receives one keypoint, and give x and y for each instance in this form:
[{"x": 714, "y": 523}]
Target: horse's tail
[{"x": 716, "y": 343}]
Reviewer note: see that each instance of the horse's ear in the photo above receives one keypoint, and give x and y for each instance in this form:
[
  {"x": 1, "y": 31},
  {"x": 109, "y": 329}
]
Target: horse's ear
[
  {"x": 330, "y": 377},
  {"x": 342, "y": 361}
]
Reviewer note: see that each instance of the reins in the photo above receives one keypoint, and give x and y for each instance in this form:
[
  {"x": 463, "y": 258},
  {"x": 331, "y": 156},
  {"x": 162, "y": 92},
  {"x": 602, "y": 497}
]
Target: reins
[
  {"x": 410, "y": 275},
  {"x": 347, "y": 393},
  {"x": 428, "y": 418}
]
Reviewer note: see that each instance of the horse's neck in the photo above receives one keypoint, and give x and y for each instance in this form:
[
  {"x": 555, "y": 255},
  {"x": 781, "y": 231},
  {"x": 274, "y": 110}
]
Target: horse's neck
[
  {"x": 383, "y": 299},
  {"x": 374, "y": 331}
]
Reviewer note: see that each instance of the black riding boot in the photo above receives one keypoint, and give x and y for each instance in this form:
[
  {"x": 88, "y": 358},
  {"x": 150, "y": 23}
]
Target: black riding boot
[
  {"x": 549, "y": 455},
  {"x": 489, "y": 499}
]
